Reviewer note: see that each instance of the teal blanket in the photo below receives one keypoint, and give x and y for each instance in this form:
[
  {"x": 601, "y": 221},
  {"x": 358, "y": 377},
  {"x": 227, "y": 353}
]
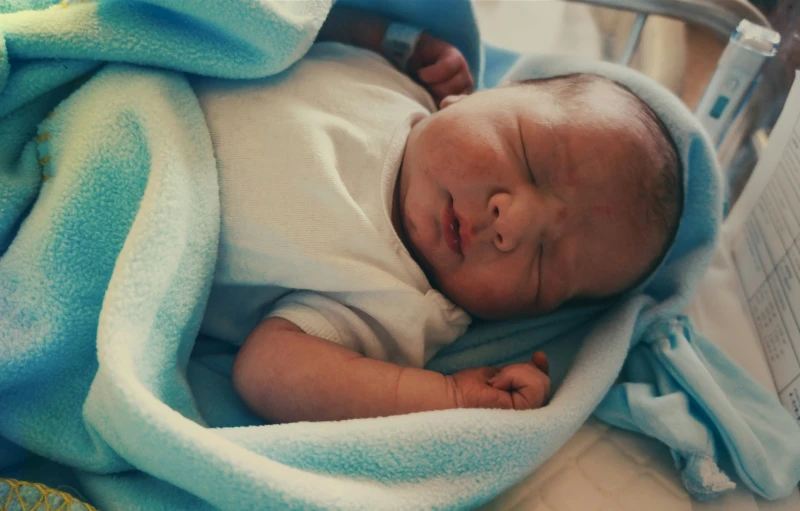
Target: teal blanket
[{"x": 109, "y": 220}]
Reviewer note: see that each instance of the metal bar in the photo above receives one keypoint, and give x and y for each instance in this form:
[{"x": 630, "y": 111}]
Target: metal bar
[
  {"x": 633, "y": 39},
  {"x": 719, "y": 16}
]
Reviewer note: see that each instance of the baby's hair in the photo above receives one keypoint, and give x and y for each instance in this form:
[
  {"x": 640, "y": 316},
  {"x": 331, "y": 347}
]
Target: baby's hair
[{"x": 664, "y": 187}]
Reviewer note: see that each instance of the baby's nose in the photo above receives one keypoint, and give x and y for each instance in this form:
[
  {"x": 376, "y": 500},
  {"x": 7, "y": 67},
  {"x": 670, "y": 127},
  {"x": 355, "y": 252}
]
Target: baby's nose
[
  {"x": 521, "y": 220},
  {"x": 505, "y": 234}
]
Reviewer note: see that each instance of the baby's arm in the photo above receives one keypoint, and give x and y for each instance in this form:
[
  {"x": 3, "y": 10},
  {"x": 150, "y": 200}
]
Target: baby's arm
[
  {"x": 437, "y": 65},
  {"x": 285, "y": 375}
]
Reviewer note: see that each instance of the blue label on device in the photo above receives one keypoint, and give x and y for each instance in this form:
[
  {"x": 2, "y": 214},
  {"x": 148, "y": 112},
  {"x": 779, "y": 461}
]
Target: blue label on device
[{"x": 719, "y": 107}]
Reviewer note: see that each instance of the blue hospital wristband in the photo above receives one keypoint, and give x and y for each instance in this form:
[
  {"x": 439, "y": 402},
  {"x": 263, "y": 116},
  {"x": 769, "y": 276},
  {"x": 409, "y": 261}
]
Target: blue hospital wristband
[{"x": 399, "y": 43}]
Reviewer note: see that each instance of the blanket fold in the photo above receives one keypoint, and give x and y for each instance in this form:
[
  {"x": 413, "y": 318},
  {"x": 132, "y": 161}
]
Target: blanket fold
[
  {"x": 109, "y": 219},
  {"x": 687, "y": 392}
]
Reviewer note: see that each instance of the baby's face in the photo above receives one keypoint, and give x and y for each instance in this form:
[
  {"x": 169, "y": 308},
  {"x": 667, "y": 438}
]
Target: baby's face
[{"x": 512, "y": 207}]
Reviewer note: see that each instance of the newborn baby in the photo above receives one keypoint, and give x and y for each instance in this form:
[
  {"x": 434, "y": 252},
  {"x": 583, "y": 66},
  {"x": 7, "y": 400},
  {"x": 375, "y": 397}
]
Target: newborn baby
[{"x": 362, "y": 228}]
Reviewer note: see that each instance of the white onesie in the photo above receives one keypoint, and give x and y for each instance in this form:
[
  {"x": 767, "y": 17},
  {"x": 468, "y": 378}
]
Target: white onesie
[{"x": 308, "y": 161}]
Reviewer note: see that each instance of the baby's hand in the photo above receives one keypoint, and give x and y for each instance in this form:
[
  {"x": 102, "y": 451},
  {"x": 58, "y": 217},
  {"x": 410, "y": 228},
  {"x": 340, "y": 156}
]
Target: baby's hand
[
  {"x": 517, "y": 386},
  {"x": 440, "y": 67}
]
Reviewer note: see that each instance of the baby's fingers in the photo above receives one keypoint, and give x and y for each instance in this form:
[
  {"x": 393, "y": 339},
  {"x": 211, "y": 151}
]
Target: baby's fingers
[
  {"x": 539, "y": 359},
  {"x": 443, "y": 69},
  {"x": 528, "y": 386},
  {"x": 460, "y": 84}
]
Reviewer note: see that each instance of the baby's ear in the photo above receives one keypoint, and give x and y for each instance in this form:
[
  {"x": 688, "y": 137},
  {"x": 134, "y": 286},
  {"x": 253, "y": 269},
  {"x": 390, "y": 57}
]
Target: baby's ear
[{"x": 449, "y": 100}]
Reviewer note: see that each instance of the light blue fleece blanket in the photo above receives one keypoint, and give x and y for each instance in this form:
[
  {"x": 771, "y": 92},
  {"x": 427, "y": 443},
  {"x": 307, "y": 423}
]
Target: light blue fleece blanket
[{"x": 109, "y": 222}]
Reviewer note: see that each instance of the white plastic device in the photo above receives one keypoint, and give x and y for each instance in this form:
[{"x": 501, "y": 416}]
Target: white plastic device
[{"x": 737, "y": 71}]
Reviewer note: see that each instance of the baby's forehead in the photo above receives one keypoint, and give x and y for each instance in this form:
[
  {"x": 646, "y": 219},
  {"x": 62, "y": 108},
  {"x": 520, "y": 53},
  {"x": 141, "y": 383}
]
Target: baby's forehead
[
  {"x": 590, "y": 99},
  {"x": 592, "y": 121},
  {"x": 602, "y": 102}
]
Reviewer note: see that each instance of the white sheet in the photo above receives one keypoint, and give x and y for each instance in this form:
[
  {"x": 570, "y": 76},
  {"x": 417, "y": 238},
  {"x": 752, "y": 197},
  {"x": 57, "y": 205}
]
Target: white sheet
[{"x": 607, "y": 469}]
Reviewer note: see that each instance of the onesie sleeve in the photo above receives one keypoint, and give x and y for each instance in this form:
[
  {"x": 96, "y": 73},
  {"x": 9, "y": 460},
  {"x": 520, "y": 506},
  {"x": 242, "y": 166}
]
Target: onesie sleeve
[{"x": 323, "y": 317}]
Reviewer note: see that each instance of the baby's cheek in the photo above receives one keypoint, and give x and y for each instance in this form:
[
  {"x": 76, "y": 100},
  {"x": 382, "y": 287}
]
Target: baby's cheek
[
  {"x": 485, "y": 159},
  {"x": 465, "y": 159},
  {"x": 483, "y": 289},
  {"x": 491, "y": 292}
]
